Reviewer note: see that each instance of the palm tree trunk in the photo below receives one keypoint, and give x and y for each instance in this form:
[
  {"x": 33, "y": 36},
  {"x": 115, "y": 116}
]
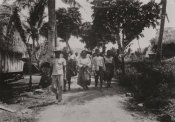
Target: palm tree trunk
[
  {"x": 52, "y": 28},
  {"x": 159, "y": 51}
]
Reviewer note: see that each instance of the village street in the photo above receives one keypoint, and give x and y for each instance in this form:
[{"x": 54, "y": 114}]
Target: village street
[{"x": 93, "y": 105}]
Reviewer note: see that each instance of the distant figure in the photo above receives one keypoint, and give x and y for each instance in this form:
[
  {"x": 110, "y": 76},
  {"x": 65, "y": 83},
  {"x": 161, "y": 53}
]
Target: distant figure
[
  {"x": 109, "y": 64},
  {"x": 117, "y": 62},
  {"x": 84, "y": 64},
  {"x": 71, "y": 70},
  {"x": 76, "y": 54},
  {"x": 58, "y": 74},
  {"x": 77, "y": 57},
  {"x": 98, "y": 67}
]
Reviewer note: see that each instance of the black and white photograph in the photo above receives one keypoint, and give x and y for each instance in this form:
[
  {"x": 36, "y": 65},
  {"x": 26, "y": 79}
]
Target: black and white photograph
[{"x": 87, "y": 60}]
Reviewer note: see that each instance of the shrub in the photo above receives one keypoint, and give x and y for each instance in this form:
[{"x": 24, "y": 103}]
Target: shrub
[{"x": 149, "y": 82}]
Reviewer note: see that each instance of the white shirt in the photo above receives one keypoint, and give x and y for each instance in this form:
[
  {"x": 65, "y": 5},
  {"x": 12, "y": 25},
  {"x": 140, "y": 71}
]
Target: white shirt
[
  {"x": 73, "y": 57},
  {"x": 109, "y": 60},
  {"x": 58, "y": 64},
  {"x": 84, "y": 62},
  {"x": 98, "y": 61}
]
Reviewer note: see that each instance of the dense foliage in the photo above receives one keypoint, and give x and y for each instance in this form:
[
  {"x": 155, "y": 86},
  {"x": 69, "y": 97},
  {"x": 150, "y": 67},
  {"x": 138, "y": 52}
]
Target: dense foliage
[
  {"x": 128, "y": 17},
  {"x": 68, "y": 22},
  {"x": 150, "y": 83},
  {"x": 88, "y": 35}
]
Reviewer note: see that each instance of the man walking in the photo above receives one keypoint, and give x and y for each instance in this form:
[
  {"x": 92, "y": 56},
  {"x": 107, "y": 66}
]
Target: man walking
[
  {"x": 58, "y": 74},
  {"x": 98, "y": 67}
]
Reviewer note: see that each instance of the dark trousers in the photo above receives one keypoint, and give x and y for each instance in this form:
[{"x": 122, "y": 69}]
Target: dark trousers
[
  {"x": 108, "y": 75},
  {"x": 99, "y": 75}
]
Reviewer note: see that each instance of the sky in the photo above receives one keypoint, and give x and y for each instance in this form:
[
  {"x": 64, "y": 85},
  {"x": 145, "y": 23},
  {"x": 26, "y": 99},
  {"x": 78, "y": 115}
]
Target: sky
[{"x": 86, "y": 12}]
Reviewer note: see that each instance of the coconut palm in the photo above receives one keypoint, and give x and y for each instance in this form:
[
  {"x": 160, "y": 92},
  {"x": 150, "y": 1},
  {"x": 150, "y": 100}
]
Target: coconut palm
[
  {"x": 31, "y": 27},
  {"x": 36, "y": 11}
]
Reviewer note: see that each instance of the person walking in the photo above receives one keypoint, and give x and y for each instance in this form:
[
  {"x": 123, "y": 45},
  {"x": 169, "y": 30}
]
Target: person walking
[
  {"x": 98, "y": 67},
  {"x": 71, "y": 70},
  {"x": 84, "y": 65},
  {"x": 109, "y": 64},
  {"x": 58, "y": 74},
  {"x": 117, "y": 63}
]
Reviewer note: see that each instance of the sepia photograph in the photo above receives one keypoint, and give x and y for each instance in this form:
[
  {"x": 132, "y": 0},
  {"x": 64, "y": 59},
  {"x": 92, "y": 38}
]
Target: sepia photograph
[{"x": 87, "y": 60}]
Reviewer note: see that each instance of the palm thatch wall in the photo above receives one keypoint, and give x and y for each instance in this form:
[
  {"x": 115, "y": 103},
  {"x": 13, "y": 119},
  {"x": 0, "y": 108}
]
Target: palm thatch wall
[
  {"x": 10, "y": 40},
  {"x": 168, "y": 47},
  {"x": 168, "y": 36}
]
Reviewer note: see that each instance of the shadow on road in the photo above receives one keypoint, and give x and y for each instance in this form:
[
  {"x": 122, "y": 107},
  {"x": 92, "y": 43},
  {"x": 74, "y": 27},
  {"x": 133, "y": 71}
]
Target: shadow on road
[{"x": 79, "y": 96}]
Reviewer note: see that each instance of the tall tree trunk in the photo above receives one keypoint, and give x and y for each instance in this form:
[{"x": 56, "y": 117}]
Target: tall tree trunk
[
  {"x": 56, "y": 42},
  {"x": 51, "y": 36},
  {"x": 52, "y": 29},
  {"x": 123, "y": 57},
  {"x": 121, "y": 51},
  {"x": 139, "y": 46},
  {"x": 159, "y": 50}
]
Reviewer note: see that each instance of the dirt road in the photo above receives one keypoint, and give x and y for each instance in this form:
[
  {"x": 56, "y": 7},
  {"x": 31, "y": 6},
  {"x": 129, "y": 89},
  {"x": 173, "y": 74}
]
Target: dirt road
[{"x": 107, "y": 105}]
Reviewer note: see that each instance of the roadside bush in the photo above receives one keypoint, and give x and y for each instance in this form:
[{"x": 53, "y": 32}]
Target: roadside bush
[{"x": 149, "y": 82}]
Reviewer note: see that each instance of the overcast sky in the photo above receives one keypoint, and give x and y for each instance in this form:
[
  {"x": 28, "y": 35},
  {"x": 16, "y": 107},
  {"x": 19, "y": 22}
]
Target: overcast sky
[{"x": 149, "y": 33}]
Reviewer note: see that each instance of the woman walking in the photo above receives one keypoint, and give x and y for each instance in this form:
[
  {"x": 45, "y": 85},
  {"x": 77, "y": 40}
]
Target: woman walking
[
  {"x": 84, "y": 64},
  {"x": 58, "y": 74},
  {"x": 109, "y": 64}
]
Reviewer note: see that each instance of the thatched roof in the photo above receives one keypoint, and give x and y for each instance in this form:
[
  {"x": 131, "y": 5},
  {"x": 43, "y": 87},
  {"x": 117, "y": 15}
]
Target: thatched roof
[
  {"x": 12, "y": 42},
  {"x": 168, "y": 36}
]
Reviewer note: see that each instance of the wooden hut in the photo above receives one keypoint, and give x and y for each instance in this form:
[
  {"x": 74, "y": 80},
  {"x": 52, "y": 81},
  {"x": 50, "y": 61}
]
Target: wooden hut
[
  {"x": 168, "y": 43},
  {"x": 11, "y": 46},
  {"x": 168, "y": 35}
]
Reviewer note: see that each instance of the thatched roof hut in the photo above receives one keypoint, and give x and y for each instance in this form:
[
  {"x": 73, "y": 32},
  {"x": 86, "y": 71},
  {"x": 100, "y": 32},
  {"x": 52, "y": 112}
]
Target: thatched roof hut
[
  {"x": 168, "y": 36},
  {"x": 11, "y": 42}
]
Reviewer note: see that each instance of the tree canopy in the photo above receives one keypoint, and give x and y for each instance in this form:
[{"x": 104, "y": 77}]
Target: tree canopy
[
  {"x": 125, "y": 17},
  {"x": 68, "y": 22}
]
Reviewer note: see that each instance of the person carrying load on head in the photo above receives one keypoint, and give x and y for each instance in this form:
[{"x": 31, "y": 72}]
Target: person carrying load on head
[{"x": 58, "y": 74}]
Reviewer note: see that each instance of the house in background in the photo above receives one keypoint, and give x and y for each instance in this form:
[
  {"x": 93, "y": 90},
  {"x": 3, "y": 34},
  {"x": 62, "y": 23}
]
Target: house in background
[
  {"x": 11, "y": 47},
  {"x": 168, "y": 44}
]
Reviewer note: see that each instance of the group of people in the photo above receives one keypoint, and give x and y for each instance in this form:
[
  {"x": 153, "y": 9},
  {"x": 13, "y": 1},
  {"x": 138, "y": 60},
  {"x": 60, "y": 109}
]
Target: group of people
[{"x": 85, "y": 65}]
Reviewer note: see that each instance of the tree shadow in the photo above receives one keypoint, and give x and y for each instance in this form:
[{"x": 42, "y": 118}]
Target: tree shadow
[{"x": 79, "y": 96}]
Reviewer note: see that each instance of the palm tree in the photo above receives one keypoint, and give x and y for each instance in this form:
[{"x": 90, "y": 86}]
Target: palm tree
[
  {"x": 52, "y": 27},
  {"x": 52, "y": 22},
  {"x": 36, "y": 8},
  {"x": 159, "y": 51}
]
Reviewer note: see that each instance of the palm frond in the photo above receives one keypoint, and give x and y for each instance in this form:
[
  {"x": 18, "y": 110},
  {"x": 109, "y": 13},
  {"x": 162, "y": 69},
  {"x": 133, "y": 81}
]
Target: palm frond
[
  {"x": 37, "y": 13},
  {"x": 18, "y": 24}
]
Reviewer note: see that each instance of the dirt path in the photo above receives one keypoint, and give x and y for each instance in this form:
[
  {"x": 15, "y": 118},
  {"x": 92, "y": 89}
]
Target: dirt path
[{"x": 91, "y": 106}]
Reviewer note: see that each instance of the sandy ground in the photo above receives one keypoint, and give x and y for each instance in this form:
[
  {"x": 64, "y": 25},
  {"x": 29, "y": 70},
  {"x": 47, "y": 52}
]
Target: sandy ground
[{"x": 93, "y": 105}]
